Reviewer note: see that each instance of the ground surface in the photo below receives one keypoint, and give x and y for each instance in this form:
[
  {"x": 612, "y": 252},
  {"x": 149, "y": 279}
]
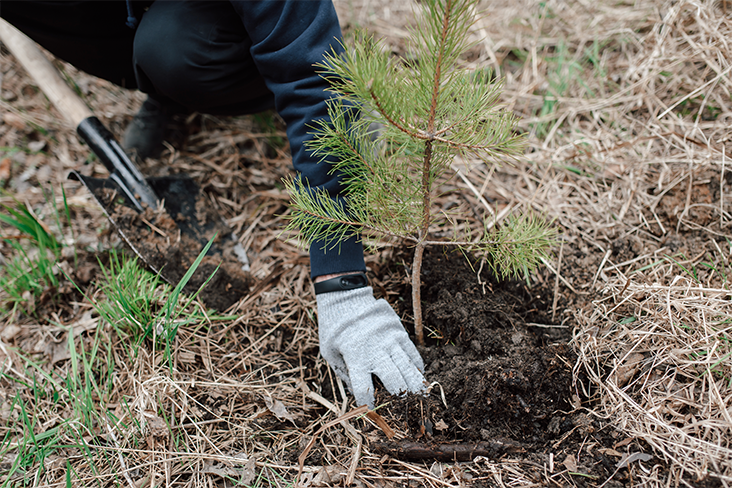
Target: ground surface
[
  {"x": 610, "y": 367},
  {"x": 183, "y": 228},
  {"x": 503, "y": 382}
]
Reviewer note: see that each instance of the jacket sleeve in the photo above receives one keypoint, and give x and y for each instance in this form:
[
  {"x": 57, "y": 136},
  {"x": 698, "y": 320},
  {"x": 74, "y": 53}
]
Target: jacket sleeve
[{"x": 288, "y": 38}]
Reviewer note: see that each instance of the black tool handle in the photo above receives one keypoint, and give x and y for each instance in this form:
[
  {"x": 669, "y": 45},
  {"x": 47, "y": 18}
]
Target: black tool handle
[{"x": 122, "y": 169}]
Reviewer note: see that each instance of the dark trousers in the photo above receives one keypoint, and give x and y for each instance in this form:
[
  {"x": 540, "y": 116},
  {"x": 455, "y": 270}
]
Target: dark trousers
[{"x": 193, "y": 53}]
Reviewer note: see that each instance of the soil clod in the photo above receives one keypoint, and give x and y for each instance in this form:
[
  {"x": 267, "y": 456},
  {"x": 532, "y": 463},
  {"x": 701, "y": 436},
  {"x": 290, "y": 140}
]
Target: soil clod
[{"x": 171, "y": 245}]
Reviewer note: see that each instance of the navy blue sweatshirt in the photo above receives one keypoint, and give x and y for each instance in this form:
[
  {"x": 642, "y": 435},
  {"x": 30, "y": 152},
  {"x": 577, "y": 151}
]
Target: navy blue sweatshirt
[{"x": 288, "y": 37}]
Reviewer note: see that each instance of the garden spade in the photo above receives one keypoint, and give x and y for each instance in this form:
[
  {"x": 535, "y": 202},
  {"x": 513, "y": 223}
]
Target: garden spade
[{"x": 126, "y": 186}]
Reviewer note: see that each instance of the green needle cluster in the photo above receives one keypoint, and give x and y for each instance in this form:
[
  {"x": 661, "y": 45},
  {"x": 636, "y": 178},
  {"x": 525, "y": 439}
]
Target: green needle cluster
[{"x": 394, "y": 129}]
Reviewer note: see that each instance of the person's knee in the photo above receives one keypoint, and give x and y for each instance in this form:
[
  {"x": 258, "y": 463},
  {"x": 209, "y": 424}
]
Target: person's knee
[
  {"x": 161, "y": 60},
  {"x": 198, "y": 55}
]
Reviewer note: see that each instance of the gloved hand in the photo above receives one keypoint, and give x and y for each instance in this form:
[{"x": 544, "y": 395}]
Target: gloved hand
[{"x": 360, "y": 335}]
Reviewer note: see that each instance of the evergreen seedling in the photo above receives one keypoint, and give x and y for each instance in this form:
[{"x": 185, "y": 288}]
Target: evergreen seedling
[{"x": 431, "y": 110}]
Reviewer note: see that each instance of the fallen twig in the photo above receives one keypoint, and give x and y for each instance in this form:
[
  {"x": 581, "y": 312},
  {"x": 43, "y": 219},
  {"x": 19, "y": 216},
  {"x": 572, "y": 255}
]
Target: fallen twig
[
  {"x": 416, "y": 451},
  {"x": 301, "y": 459}
]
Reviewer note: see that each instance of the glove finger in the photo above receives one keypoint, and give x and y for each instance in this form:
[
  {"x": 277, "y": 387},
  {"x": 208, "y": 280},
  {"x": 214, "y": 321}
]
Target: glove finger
[
  {"x": 412, "y": 375},
  {"x": 391, "y": 376},
  {"x": 400, "y": 338},
  {"x": 362, "y": 387},
  {"x": 411, "y": 351},
  {"x": 338, "y": 365},
  {"x": 343, "y": 375}
]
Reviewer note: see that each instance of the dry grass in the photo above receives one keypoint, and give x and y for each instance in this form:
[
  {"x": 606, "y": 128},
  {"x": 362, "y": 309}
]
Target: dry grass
[
  {"x": 628, "y": 108},
  {"x": 661, "y": 353},
  {"x": 646, "y": 216}
]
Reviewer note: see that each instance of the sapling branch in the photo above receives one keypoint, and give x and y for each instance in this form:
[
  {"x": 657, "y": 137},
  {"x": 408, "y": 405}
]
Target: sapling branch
[
  {"x": 350, "y": 146},
  {"x": 401, "y": 126},
  {"x": 353, "y": 224},
  {"x": 433, "y": 135}
]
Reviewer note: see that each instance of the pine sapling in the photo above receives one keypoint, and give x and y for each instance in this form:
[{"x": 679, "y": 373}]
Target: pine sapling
[{"x": 428, "y": 112}]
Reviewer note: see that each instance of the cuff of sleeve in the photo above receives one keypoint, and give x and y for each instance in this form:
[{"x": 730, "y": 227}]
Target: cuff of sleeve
[{"x": 344, "y": 257}]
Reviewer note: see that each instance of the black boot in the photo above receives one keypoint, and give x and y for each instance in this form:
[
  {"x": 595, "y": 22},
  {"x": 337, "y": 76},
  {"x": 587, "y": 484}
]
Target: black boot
[{"x": 144, "y": 136}]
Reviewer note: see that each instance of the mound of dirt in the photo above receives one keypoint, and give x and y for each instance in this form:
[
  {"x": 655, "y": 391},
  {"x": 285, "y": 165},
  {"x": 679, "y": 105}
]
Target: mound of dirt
[
  {"x": 168, "y": 240},
  {"x": 500, "y": 373}
]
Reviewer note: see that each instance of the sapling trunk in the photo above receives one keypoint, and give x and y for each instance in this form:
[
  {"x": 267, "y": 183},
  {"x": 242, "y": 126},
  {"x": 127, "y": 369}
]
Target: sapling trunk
[
  {"x": 425, "y": 227},
  {"x": 417, "y": 293}
]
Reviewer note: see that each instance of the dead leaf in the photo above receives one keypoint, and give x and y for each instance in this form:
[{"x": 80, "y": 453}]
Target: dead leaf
[
  {"x": 278, "y": 409},
  {"x": 36, "y": 146},
  {"x": 381, "y": 423},
  {"x": 627, "y": 370},
  {"x": 623, "y": 443},
  {"x": 329, "y": 476},
  {"x": 635, "y": 456},
  {"x": 610, "y": 452},
  {"x": 5, "y": 166},
  {"x": 570, "y": 463},
  {"x": 576, "y": 402},
  {"x": 14, "y": 120},
  {"x": 156, "y": 426},
  {"x": 5, "y": 410},
  {"x": 60, "y": 352},
  {"x": 8, "y": 461},
  {"x": 219, "y": 469},
  {"x": 245, "y": 475},
  {"x": 441, "y": 425},
  {"x": 249, "y": 472},
  {"x": 9, "y": 332},
  {"x": 85, "y": 323},
  {"x": 85, "y": 273}
]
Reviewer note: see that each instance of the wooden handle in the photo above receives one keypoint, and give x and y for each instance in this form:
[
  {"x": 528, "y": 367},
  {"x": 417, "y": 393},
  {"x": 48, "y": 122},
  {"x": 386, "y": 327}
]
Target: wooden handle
[{"x": 44, "y": 74}]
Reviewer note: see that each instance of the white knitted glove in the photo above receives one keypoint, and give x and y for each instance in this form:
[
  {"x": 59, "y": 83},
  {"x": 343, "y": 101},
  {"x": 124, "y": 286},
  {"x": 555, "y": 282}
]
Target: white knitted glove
[{"x": 360, "y": 335}]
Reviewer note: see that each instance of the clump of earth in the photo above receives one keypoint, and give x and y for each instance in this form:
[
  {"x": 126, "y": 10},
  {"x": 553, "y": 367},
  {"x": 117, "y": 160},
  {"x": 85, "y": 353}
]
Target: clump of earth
[
  {"x": 169, "y": 239},
  {"x": 500, "y": 375}
]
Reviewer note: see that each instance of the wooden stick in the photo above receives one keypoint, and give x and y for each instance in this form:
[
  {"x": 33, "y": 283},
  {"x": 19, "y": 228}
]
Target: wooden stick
[
  {"x": 416, "y": 451},
  {"x": 44, "y": 74}
]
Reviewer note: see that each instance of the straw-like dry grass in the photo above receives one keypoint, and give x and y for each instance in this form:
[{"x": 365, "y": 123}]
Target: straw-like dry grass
[
  {"x": 628, "y": 110},
  {"x": 662, "y": 358},
  {"x": 654, "y": 205}
]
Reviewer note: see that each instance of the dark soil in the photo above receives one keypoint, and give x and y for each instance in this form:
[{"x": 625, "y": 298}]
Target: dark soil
[
  {"x": 501, "y": 379},
  {"x": 169, "y": 240}
]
